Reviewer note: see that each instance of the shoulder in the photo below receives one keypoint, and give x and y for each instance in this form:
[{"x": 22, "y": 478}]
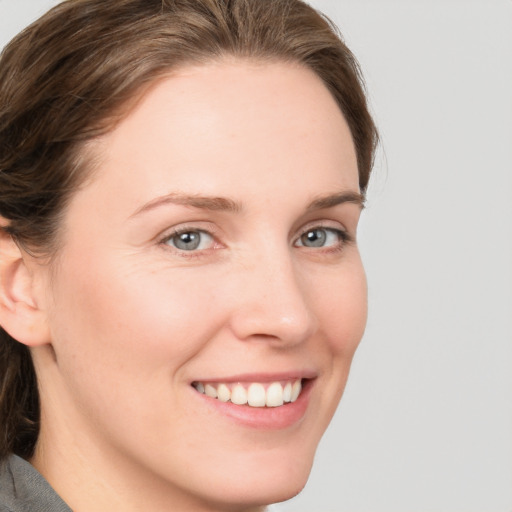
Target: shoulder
[{"x": 23, "y": 489}]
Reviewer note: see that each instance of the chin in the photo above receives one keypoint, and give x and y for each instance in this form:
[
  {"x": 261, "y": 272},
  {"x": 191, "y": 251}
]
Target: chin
[
  {"x": 259, "y": 493},
  {"x": 264, "y": 482}
]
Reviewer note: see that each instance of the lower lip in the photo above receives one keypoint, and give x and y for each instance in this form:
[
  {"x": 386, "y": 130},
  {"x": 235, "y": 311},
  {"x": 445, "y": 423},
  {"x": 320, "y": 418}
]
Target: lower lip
[{"x": 270, "y": 418}]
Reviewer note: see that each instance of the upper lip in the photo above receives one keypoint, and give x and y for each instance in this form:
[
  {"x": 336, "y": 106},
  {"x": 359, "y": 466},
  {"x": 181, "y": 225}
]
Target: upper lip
[{"x": 262, "y": 377}]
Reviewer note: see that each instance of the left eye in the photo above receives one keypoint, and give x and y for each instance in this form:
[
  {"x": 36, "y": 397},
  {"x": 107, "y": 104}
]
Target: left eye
[
  {"x": 320, "y": 237},
  {"x": 192, "y": 240}
]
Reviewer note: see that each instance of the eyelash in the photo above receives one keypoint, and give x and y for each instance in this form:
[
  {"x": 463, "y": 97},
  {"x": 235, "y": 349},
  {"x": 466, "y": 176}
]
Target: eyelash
[
  {"x": 344, "y": 238},
  {"x": 182, "y": 231}
]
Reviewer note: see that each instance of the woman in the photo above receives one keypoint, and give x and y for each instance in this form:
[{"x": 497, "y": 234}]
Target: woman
[{"x": 182, "y": 294}]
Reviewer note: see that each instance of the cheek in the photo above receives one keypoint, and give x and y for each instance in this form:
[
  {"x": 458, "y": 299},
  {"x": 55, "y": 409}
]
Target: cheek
[
  {"x": 123, "y": 341},
  {"x": 124, "y": 323},
  {"x": 342, "y": 308}
]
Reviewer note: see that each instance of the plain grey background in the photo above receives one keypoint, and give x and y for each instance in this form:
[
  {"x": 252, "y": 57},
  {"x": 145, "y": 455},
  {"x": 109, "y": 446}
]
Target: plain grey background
[{"x": 426, "y": 421}]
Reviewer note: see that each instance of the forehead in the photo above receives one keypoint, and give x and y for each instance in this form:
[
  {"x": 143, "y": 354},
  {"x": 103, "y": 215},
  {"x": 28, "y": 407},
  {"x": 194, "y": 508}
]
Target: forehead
[{"x": 230, "y": 122}]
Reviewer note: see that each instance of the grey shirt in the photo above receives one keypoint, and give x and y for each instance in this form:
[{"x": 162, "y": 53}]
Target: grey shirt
[{"x": 23, "y": 489}]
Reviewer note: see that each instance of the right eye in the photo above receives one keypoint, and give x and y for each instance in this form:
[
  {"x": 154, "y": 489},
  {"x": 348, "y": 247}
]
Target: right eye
[{"x": 190, "y": 240}]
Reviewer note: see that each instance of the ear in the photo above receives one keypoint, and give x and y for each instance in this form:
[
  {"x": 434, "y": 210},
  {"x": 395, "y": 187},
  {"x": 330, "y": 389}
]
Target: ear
[{"x": 20, "y": 314}]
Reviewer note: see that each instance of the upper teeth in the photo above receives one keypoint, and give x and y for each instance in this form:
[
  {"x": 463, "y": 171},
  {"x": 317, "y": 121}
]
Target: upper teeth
[{"x": 255, "y": 394}]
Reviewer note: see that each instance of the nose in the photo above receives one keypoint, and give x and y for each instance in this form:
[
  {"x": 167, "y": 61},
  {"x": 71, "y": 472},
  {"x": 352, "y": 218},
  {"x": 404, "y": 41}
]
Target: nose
[{"x": 272, "y": 302}]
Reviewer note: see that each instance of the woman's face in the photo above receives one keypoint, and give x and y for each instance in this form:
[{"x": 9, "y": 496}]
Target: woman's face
[{"x": 214, "y": 248}]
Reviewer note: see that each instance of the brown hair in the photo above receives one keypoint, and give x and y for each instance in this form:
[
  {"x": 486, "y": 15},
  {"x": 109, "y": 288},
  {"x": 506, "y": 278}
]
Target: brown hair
[{"x": 69, "y": 77}]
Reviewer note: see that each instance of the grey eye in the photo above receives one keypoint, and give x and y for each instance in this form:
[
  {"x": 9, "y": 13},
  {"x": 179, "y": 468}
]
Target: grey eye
[
  {"x": 191, "y": 240},
  {"x": 314, "y": 238},
  {"x": 321, "y": 237}
]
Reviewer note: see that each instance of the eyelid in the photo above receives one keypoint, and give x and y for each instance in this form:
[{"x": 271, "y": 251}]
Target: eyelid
[
  {"x": 202, "y": 227},
  {"x": 324, "y": 224},
  {"x": 344, "y": 234}
]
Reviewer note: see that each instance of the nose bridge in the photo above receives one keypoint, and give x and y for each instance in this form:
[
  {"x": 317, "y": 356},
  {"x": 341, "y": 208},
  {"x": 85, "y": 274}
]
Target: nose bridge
[{"x": 273, "y": 300}]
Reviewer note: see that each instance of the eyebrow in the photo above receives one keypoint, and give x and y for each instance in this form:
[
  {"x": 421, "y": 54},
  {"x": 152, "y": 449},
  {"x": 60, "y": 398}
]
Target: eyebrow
[
  {"x": 331, "y": 200},
  {"x": 194, "y": 201},
  {"x": 225, "y": 204}
]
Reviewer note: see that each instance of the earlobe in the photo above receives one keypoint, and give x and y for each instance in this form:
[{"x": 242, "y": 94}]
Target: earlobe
[{"x": 20, "y": 314}]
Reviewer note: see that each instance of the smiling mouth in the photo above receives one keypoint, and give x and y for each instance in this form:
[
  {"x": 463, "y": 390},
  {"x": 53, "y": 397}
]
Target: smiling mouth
[{"x": 254, "y": 394}]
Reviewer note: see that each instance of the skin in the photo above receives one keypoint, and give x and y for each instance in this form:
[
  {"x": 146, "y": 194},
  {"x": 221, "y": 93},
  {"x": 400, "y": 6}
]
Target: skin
[{"x": 129, "y": 321}]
